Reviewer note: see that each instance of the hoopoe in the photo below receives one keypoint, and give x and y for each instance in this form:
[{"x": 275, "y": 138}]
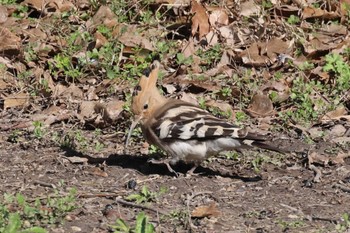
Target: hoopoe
[{"x": 183, "y": 130}]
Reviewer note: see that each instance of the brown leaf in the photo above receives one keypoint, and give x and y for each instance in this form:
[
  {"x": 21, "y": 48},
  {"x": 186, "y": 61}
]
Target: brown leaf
[
  {"x": 260, "y": 105},
  {"x": 339, "y": 159},
  {"x": 222, "y": 105},
  {"x": 87, "y": 109},
  {"x": 100, "y": 39},
  {"x": 334, "y": 115},
  {"x": 337, "y": 131},
  {"x": 264, "y": 53},
  {"x": 311, "y": 12},
  {"x": 249, "y": 8},
  {"x": 315, "y": 157},
  {"x": 219, "y": 17},
  {"x": 130, "y": 36},
  {"x": 10, "y": 44},
  {"x": 112, "y": 110},
  {"x": 102, "y": 16},
  {"x": 36, "y": 4},
  {"x": 200, "y": 20},
  {"x": 96, "y": 171},
  {"x": 206, "y": 211},
  {"x": 3, "y": 14},
  {"x": 278, "y": 87},
  {"x": 77, "y": 159},
  {"x": 16, "y": 100}
]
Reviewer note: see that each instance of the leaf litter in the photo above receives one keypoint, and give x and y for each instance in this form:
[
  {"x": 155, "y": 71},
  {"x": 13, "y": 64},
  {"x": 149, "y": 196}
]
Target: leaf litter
[{"x": 67, "y": 71}]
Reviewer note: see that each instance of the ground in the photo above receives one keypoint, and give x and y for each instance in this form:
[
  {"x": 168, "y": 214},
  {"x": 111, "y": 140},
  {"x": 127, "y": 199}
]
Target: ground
[
  {"x": 67, "y": 73},
  {"x": 273, "y": 199}
]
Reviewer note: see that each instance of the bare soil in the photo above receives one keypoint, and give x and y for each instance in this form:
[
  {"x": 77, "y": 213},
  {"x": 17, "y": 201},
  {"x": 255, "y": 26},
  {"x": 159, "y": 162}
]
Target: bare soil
[{"x": 277, "y": 198}]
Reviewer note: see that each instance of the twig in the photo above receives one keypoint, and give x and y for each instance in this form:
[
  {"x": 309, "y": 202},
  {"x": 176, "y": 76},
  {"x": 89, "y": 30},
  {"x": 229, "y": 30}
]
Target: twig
[
  {"x": 342, "y": 187},
  {"x": 98, "y": 195},
  {"x": 44, "y": 184},
  {"x": 121, "y": 201},
  {"x": 318, "y": 173}
]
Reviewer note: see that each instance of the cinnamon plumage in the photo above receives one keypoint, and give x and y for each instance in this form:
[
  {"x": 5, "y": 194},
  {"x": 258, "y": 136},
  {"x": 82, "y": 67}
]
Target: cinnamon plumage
[{"x": 183, "y": 130}]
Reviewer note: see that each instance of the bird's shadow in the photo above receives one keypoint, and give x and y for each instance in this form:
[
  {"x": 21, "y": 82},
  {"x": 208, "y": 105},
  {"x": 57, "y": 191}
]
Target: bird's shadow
[{"x": 141, "y": 164}]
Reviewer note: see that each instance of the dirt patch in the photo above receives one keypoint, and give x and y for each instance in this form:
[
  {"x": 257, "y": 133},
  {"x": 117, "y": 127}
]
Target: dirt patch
[{"x": 273, "y": 199}]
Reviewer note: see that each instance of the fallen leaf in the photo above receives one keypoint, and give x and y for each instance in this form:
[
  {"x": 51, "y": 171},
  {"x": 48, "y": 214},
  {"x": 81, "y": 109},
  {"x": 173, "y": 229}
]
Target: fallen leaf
[
  {"x": 337, "y": 131},
  {"x": 249, "y": 8},
  {"x": 87, "y": 109},
  {"x": 103, "y": 15},
  {"x": 112, "y": 110},
  {"x": 16, "y": 100},
  {"x": 130, "y": 36},
  {"x": 77, "y": 160},
  {"x": 3, "y": 14},
  {"x": 265, "y": 53},
  {"x": 339, "y": 159},
  {"x": 10, "y": 44},
  {"x": 221, "y": 105},
  {"x": 100, "y": 39},
  {"x": 200, "y": 20},
  {"x": 206, "y": 211},
  {"x": 333, "y": 115},
  {"x": 96, "y": 171},
  {"x": 260, "y": 105},
  {"x": 311, "y": 12},
  {"x": 36, "y": 4},
  {"x": 189, "y": 97},
  {"x": 315, "y": 157},
  {"x": 218, "y": 18}
]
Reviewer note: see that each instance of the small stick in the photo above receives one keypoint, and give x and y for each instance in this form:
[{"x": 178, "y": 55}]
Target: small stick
[
  {"x": 318, "y": 173},
  {"x": 342, "y": 187},
  {"x": 121, "y": 201},
  {"x": 44, "y": 184}
]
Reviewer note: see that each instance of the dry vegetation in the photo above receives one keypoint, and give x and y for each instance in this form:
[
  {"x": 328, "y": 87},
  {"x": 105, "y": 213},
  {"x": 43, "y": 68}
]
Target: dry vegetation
[{"x": 67, "y": 71}]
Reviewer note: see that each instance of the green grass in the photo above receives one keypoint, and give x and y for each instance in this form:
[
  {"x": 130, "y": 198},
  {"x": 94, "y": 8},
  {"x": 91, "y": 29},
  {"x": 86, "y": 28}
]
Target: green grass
[{"x": 17, "y": 214}]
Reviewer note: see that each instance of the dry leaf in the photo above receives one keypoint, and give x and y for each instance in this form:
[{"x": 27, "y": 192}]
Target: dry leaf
[
  {"x": 339, "y": 159},
  {"x": 315, "y": 157},
  {"x": 219, "y": 17},
  {"x": 100, "y": 39},
  {"x": 10, "y": 44},
  {"x": 129, "y": 36},
  {"x": 16, "y": 100},
  {"x": 3, "y": 14},
  {"x": 96, "y": 171},
  {"x": 112, "y": 110},
  {"x": 200, "y": 20},
  {"x": 36, "y": 4},
  {"x": 249, "y": 8},
  {"x": 333, "y": 115},
  {"x": 311, "y": 12},
  {"x": 260, "y": 105},
  {"x": 337, "y": 131},
  {"x": 77, "y": 160},
  {"x": 206, "y": 211},
  {"x": 265, "y": 53},
  {"x": 87, "y": 109}
]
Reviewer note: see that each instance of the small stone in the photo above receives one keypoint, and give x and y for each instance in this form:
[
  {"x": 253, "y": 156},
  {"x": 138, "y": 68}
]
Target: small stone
[{"x": 76, "y": 229}]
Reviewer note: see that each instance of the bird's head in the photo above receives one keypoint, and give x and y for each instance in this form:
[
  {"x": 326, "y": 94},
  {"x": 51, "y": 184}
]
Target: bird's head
[{"x": 146, "y": 97}]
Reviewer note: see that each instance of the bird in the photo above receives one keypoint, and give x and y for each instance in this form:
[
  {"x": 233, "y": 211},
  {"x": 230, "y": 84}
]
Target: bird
[{"x": 184, "y": 130}]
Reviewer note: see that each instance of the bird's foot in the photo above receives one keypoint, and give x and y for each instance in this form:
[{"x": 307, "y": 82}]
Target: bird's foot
[
  {"x": 166, "y": 162},
  {"x": 190, "y": 172}
]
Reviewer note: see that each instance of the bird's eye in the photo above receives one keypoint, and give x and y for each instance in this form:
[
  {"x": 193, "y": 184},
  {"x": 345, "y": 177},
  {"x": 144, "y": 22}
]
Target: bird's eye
[{"x": 145, "y": 106}]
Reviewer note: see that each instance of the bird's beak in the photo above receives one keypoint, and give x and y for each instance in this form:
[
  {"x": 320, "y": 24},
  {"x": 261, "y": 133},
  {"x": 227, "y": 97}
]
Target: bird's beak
[{"x": 132, "y": 127}]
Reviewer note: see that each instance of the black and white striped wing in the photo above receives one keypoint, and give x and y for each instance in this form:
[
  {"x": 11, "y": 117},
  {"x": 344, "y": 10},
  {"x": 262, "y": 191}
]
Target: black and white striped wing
[{"x": 187, "y": 122}]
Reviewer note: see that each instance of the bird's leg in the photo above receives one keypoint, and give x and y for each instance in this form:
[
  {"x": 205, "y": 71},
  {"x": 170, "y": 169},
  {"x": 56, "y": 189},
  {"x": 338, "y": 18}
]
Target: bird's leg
[
  {"x": 166, "y": 162},
  {"x": 191, "y": 171}
]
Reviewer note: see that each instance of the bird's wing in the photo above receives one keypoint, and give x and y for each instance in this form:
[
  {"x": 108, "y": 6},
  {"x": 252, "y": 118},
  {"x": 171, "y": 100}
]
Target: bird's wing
[{"x": 186, "y": 121}]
